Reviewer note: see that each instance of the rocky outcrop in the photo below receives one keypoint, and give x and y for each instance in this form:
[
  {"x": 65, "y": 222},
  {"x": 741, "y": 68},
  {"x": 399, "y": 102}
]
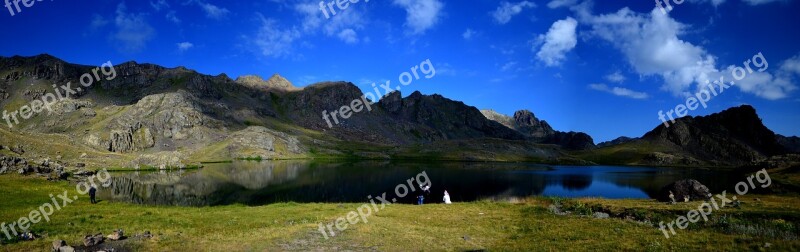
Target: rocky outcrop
[
  {"x": 263, "y": 142},
  {"x": 525, "y": 122},
  {"x": 276, "y": 82},
  {"x": 52, "y": 170},
  {"x": 683, "y": 189},
  {"x": 735, "y": 136}
]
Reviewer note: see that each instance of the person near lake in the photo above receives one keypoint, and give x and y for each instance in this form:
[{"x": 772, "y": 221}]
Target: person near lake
[
  {"x": 93, "y": 194},
  {"x": 420, "y": 199},
  {"x": 447, "y": 197}
]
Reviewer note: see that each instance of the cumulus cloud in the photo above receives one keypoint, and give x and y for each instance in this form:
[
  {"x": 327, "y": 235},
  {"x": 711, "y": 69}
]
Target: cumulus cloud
[
  {"x": 651, "y": 44},
  {"x": 771, "y": 86},
  {"x": 421, "y": 15},
  {"x": 559, "y": 40},
  {"x": 133, "y": 31},
  {"x": 506, "y": 10},
  {"x": 618, "y": 91}
]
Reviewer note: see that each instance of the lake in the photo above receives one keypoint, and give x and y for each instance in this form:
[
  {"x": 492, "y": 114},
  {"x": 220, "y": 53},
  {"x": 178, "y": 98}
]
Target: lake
[{"x": 264, "y": 182}]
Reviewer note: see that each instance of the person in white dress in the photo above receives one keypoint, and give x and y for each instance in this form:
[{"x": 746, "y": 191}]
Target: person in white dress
[{"x": 447, "y": 197}]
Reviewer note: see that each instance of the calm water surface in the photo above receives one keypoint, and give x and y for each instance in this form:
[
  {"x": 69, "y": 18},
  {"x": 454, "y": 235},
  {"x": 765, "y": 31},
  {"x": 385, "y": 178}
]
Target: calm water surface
[{"x": 258, "y": 183}]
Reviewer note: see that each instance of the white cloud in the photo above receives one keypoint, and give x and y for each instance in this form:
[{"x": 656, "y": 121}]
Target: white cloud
[
  {"x": 184, "y": 46},
  {"x": 771, "y": 86},
  {"x": 133, "y": 31},
  {"x": 421, "y": 15},
  {"x": 272, "y": 41},
  {"x": 468, "y": 34},
  {"x": 651, "y": 45},
  {"x": 618, "y": 91},
  {"x": 616, "y": 77},
  {"x": 213, "y": 11},
  {"x": 559, "y": 40},
  {"x": 766, "y": 85},
  {"x": 344, "y": 25},
  {"x": 160, "y": 4},
  {"x": 561, "y": 3},
  {"x": 348, "y": 36},
  {"x": 172, "y": 17},
  {"x": 506, "y": 10},
  {"x": 791, "y": 65}
]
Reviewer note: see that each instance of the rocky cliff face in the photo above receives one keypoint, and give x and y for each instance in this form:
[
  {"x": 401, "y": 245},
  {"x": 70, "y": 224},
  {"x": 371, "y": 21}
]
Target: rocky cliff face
[
  {"x": 452, "y": 119},
  {"x": 734, "y": 136},
  {"x": 525, "y": 122}
]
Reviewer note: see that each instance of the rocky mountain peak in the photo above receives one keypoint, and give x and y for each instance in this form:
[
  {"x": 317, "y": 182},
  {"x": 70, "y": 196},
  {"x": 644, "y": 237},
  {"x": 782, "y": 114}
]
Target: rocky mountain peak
[
  {"x": 274, "y": 82},
  {"x": 735, "y": 136}
]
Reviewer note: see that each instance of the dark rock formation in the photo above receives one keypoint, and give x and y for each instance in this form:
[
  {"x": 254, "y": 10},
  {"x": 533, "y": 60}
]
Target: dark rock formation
[
  {"x": 684, "y": 188},
  {"x": 540, "y": 131},
  {"x": 92, "y": 240},
  {"x": 790, "y": 144},
  {"x": 735, "y": 136}
]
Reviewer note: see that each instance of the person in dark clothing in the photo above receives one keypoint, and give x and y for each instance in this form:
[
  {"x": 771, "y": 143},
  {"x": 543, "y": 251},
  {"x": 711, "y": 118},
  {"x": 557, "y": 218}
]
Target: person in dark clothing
[
  {"x": 92, "y": 194},
  {"x": 420, "y": 199}
]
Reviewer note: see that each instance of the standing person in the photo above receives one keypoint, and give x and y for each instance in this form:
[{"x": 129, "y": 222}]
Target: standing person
[
  {"x": 447, "y": 197},
  {"x": 420, "y": 199},
  {"x": 92, "y": 194}
]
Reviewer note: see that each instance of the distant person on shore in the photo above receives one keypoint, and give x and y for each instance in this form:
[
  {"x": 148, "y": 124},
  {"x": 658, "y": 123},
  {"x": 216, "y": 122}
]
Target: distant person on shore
[
  {"x": 447, "y": 197},
  {"x": 93, "y": 194},
  {"x": 420, "y": 199}
]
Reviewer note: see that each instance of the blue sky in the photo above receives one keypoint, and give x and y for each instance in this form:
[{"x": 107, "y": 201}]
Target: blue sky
[{"x": 601, "y": 67}]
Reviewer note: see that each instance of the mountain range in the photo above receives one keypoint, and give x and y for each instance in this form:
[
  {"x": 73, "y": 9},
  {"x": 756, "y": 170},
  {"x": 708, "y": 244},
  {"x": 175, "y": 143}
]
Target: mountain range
[{"x": 150, "y": 115}]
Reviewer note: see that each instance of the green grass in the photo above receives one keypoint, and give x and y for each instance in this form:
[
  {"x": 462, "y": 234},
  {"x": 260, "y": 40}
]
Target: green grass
[{"x": 526, "y": 225}]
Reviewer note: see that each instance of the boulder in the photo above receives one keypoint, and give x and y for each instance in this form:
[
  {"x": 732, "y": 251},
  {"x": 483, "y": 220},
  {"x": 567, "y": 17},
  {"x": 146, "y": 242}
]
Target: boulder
[
  {"x": 61, "y": 246},
  {"x": 681, "y": 189},
  {"x": 116, "y": 235},
  {"x": 91, "y": 240}
]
